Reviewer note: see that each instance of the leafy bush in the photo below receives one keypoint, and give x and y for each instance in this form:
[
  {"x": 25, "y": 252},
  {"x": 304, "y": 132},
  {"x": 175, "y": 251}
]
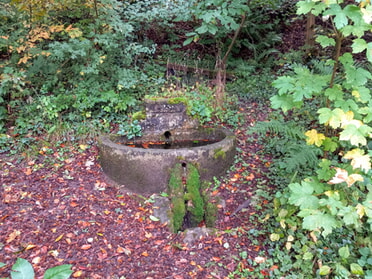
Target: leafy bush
[{"x": 323, "y": 220}]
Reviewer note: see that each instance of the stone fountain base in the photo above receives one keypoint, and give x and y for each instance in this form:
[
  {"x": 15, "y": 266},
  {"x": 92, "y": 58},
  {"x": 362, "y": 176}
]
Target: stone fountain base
[{"x": 142, "y": 170}]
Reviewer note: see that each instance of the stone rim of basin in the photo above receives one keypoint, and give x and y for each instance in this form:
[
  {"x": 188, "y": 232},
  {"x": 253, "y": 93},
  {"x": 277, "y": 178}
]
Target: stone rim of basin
[{"x": 149, "y": 168}]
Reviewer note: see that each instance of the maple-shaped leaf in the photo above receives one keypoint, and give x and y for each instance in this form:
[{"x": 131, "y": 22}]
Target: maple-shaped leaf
[
  {"x": 343, "y": 176},
  {"x": 350, "y": 215},
  {"x": 320, "y": 220},
  {"x": 359, "y": 159},
  {"x": 313, "y": 137},
  {"x": 325, "y": 172},
  {"x": 331, "y": 117},
  {"x": 302, "y": 195},
  {"x": 325, "y": 41},
  {"x": 333, "y": 202},
  {"x": 334, "y": 93},
  {"x": 359, "y": 45},
  {"x": 284, "y": 84},
  {"x": 329, "y": 144},
  {"x": 340, "y": 19},
  {"x": 284, "y": 102},
  {"x": 362, "y": 94},
  {"x": 356, "y": 132}
]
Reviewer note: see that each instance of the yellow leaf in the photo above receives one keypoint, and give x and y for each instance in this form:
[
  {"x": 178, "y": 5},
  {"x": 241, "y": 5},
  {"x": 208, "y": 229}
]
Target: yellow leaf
[
  {"x": 313, "y": 137},
  {"x": 83, "y": 146},
  {"x": 59, "y": 238},
  {"x": 353, "y": 178},
  {"x": 30, "y": 246},
  {"x": 358, "y": 159},
  {"x": 360, "y": 209},
  {"x": 77, "y": 274}
]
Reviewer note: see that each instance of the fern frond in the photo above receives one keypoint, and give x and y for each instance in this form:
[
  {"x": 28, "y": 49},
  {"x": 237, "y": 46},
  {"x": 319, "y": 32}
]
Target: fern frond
[
  {"x": 289, "y": 130},
  {"x": 301, "y": 156}
]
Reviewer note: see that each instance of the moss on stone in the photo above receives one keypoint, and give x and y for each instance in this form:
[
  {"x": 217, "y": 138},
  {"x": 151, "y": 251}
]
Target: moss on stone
[
  {"x": 177, "y": 100},
  {"x": 189, "y": 199},
  {"x": 219, "y": 153},
  {"x": 139, "y": 115},
  {"x": 195, "y": 203},
  {"x": 178, "y": 213}
]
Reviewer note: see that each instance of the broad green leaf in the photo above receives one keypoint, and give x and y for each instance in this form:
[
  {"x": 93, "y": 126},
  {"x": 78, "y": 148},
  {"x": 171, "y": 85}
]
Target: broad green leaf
[
  {"x": 359, "y": 45},
  {"x": 357, "y": 76},
  {"x": 22, "y": 269},
  {"x": 304, "y": 7},
  {"x": 362, "y": 94},
  {"x": 319, "y": 220},
  {"x": 324, "y": 270},
  {"x": 350, "y": 216},
  {"x": 302, "y": 195},
  {"x": 313, "y": 137},
  {"x": 344, "y": 252},
  {"x": 2, "y": 265},
  {"x": 284, "y": 84},
  {"x": 340, "y": 18},
  {"x": 188, "y": 41},
  {"x": 331, "y": 117},
  {"x": 334, "y": 93},
  {"x": 58, "y": 272},
  {"x": 356, "y": 133},
  {"x": 325, "y": 41},
  {"x": 325, "y": 172},
  {"x": 307, "y": 256},
  {"x": 329, "y": 144},
  {"x": 356, "y": 269},
  {"x": 284, "y": 102}
]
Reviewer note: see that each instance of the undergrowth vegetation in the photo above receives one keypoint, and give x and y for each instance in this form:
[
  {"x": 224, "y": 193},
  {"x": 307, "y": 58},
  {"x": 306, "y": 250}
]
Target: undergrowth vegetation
[{"x": 321, "y": 211}]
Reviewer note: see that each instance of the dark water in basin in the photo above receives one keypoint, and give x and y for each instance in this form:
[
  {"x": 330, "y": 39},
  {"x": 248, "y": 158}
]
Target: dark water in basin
[{"x": 170, "y": 144}]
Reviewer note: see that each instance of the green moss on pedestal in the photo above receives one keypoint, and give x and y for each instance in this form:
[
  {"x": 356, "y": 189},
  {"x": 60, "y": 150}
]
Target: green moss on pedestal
[{"x": 189, "y": 204}]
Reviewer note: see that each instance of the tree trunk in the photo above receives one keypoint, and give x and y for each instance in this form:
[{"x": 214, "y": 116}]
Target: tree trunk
[{"x": 310, "y": 33}]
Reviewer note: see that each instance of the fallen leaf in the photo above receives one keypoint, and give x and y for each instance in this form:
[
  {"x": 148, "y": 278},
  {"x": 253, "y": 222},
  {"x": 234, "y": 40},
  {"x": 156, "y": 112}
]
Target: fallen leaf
[
  {"x": 30, "y": 246},
  {"x": 250, "y": 177},
  {"x": 85, "y": 246},
  {"x": 259, "y": 259},
  {"x": 28, "y": 171},
  {"x": 13, "y": 235},
  {"x": 77, "y": 274},
  {"x": 145, "y": 254},
  {"x": 123, "y": 250},
  {"x": 59, "y": 238}
]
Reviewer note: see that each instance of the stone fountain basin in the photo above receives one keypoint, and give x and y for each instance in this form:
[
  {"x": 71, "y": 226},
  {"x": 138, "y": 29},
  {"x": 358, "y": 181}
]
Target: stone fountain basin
[{"x": 142, "y": 170}]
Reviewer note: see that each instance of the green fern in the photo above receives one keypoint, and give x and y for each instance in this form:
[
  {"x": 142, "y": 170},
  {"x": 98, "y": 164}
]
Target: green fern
[
  {"x": 278, "y": 128},
  {"x": 285, "y": 142}
]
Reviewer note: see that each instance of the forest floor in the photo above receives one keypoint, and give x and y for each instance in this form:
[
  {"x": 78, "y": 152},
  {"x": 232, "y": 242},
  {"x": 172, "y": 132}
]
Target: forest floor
[{"x": 58, "y": 208}]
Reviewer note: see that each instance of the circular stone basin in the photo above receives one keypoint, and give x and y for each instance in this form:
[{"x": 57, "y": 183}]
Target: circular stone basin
[{"x": 143, "y": 164}]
